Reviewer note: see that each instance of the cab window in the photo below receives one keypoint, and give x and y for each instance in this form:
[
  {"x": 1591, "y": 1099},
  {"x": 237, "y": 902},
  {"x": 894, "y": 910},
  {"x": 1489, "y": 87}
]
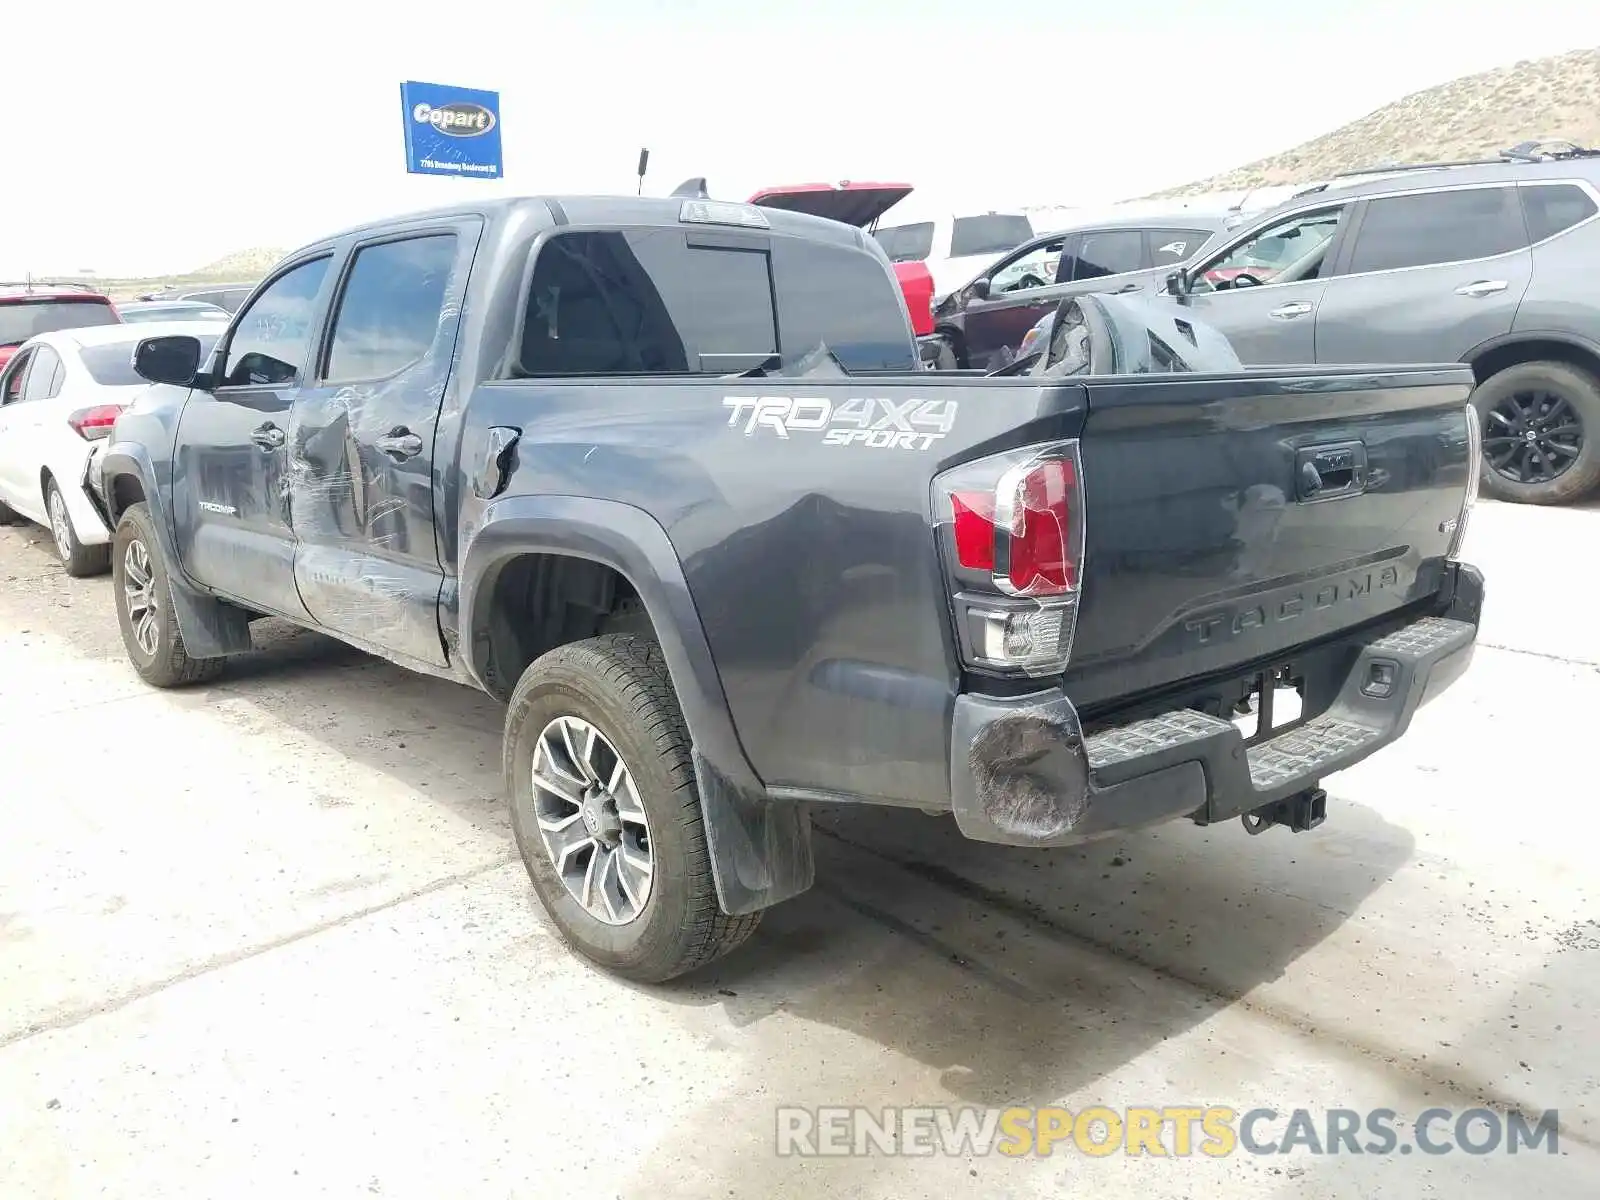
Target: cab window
[{"x": 270, "y": 339}]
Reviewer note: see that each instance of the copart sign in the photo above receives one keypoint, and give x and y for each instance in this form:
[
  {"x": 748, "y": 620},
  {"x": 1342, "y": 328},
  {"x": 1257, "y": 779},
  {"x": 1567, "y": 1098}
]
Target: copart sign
[
  {"x": 876, "y": 422},
  {"x": 451, "y": 130}
]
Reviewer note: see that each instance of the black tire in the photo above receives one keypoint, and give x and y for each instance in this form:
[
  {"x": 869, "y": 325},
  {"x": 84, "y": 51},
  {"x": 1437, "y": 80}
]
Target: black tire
[
  {"x": 168, "y": 664},
  {"x": 78, "y": 559},
  {"x": 1581, "y": 392},
  {"x": 618, "y": 683}
]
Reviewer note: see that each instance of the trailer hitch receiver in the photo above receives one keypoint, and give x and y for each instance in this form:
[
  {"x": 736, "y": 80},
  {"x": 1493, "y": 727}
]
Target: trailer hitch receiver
[{"x": 1301, "y": 812}]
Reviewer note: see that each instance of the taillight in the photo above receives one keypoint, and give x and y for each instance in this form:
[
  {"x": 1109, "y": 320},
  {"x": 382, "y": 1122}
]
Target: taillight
[
  {"x": 1474, "y": 474},
  {"x": 93, "y": 423},
  {"x": 1011, "y": 527}
]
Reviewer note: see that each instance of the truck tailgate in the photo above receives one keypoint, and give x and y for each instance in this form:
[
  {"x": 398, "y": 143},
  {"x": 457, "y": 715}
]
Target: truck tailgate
[{"x": 1229, "y": 521}]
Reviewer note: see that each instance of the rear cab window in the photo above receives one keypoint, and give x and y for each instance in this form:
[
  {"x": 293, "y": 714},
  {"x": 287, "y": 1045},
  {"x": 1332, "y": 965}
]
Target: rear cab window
[
  {"x": 21, "y": 319},
  {"x": 666, "y": 301},
  {"x": 1424, "y": 229}
]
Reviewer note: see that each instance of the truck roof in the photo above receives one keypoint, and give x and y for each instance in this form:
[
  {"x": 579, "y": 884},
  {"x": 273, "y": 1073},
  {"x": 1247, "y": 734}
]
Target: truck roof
[{"x": 612, "y": 210}]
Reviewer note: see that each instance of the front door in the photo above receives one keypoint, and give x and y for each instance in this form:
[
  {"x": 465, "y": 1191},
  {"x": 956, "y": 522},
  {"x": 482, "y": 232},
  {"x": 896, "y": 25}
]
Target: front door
[
  {"x": 1263, "y": 292},
  {"x": 1020, "y": 292},
  {"x": 362, "y": 442},
  {"x": 230, "y": 480}
]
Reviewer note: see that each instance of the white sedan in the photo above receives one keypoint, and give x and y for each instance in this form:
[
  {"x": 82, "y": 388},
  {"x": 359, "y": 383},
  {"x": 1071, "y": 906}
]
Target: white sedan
[{"x": 59, "y": 396}]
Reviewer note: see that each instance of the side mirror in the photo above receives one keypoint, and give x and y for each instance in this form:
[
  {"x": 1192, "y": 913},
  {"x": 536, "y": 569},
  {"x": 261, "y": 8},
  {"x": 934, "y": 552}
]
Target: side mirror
[
  {"x": 978, "y": 289},
  {"x": 1178, "y": 284},
  {"x": 174, "y": 359}
]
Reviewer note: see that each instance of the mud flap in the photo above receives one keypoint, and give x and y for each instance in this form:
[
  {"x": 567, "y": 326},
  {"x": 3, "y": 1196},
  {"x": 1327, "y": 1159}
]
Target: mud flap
[{"x": 760, "y": 847}]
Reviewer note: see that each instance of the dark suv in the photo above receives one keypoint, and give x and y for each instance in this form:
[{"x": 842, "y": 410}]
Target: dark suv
[
  {"x": 1490, "y": 263},
  {"x": 984, "y": 322}
]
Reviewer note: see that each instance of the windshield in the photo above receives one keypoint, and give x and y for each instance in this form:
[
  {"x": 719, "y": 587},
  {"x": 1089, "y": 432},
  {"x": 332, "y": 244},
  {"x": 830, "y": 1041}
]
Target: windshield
[
  {"x": 111, "y": 363},
  {"x": 22, "y": 319}
]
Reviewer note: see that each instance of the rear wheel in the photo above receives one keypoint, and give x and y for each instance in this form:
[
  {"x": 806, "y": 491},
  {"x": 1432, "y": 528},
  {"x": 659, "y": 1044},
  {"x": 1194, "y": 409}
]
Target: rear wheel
[
  {"x": 141, "y": 593},
  {"x": 1541, "y": 433},
  {"x": 78, "y": 559},
  {"x": 606, "y": 811}
]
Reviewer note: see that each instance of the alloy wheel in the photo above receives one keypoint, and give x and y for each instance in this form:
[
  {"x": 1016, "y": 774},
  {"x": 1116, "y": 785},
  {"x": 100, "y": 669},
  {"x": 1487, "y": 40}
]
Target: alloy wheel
[
  {"x": 1532, "y": 436},
  {"x": 60, "y": 525},
  {"x": 139, "y": 591},
  {"x": 591, "y": 820}
]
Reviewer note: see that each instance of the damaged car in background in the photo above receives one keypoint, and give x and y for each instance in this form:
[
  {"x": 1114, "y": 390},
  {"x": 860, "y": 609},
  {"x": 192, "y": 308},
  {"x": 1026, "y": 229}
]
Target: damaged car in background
[{"x": 664, "y": 477}]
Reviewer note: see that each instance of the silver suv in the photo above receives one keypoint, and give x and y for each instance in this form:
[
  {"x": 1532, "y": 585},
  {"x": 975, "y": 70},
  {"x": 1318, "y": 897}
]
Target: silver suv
[{"x": 1491, "y": 263}]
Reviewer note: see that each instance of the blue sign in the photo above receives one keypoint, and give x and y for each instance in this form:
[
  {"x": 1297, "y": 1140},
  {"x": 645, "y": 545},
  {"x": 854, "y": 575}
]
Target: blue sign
[{"x": 451, "y": 131}]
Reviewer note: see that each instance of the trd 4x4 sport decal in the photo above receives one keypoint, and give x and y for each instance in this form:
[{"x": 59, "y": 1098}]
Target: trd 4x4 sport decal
[{"x": 875, "y": 422}]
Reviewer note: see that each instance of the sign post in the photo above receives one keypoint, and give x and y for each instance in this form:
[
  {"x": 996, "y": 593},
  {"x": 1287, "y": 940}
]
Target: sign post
[{"x": 451, "y": 130}]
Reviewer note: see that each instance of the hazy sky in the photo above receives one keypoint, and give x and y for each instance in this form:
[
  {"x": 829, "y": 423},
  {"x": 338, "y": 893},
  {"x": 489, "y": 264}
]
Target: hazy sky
[{"x": 160, "y": 135}]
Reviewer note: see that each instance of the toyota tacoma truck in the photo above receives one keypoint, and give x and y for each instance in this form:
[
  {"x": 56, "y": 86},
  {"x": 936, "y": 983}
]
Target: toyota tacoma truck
[{"x": 663, "y": 476}]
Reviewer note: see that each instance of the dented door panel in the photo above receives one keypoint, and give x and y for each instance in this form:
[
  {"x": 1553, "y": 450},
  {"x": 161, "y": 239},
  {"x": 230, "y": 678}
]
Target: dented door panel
[{"x": 361, "y": 461}]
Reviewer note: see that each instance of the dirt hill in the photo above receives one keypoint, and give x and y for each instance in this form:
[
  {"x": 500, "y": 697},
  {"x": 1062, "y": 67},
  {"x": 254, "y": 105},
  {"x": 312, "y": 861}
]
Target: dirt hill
[
  {"x": 241, "y": 264},
  {"x": 1477, "y": 115}
]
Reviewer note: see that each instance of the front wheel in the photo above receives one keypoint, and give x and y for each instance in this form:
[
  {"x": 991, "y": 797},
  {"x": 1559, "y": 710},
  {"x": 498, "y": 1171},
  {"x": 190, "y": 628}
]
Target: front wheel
[
  {"x": 1541, "y": 433},
  {"x": 606, "y": 811},
  {"x": 141, "y": 592}
]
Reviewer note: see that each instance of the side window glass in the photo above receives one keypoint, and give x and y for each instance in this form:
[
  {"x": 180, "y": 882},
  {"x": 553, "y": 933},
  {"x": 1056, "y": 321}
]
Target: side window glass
[
  {"x": 269, "y": 341},
  {"x": 15, "y": 376},
  {"x": 1170, "y": 247},
  {"x": 42, "y": 374},
  {"x": 1554, "y": 208},
  {"x": 1287, "y": 252},
  {"x": 646, "y": 303},
  {"x": 1108, "y": 252},
  {"x": 1036, "y": 268},
  {"x": 1427, "y": 228},
  {"x": 389, "y": 313}
]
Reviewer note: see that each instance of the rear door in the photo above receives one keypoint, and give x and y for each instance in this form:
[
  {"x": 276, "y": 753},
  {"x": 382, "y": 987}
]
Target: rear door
[
  {"x": 1428, "y": 276},
  {"x": 1263, "y": 291},
  {"x": 231, "y": 484},
  {"x": 361, "y": 440}
]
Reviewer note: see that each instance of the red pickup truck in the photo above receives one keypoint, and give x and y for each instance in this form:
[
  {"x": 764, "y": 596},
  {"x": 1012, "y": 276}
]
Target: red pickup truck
[{"x": 861, "y": 204}]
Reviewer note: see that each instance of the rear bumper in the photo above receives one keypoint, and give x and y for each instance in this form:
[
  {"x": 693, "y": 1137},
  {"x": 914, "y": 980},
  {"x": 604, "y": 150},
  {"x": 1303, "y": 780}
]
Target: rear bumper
[{"x": 1022, "y": 774}]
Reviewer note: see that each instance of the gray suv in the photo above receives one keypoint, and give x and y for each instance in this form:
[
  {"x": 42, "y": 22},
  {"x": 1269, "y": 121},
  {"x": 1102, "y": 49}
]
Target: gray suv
[
  {"x": 1488, "y": 263},
  {"x": 983, "y": 323}
]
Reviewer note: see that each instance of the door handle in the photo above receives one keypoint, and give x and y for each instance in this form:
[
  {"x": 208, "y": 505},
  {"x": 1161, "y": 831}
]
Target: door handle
[
  {"x": 400, "y": 444},
  {"x": 1484, "y": 287},
  {"x": 1125, "y": 288},
  {"x": 1297, "y": 308},
  {"x": 268, "y": 436}
]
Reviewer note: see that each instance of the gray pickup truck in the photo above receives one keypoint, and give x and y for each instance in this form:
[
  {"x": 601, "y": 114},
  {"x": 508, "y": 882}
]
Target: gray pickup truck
[{"x": 665, "y": 478}]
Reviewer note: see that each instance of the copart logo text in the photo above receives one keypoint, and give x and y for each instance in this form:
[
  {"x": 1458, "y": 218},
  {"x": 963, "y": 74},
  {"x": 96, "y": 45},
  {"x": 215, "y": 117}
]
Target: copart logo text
[
  {"x": 875, "y": 422},
  {"x": 459, "y": 119}
]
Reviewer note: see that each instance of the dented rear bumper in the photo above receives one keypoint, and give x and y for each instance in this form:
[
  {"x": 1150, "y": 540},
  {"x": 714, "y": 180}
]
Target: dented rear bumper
[{"x": 1022, "y": 773}]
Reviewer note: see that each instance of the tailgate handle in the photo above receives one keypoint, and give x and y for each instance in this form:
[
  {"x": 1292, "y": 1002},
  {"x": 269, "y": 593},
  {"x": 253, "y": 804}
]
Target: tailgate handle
[{"x": 1330, "y": 472}]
